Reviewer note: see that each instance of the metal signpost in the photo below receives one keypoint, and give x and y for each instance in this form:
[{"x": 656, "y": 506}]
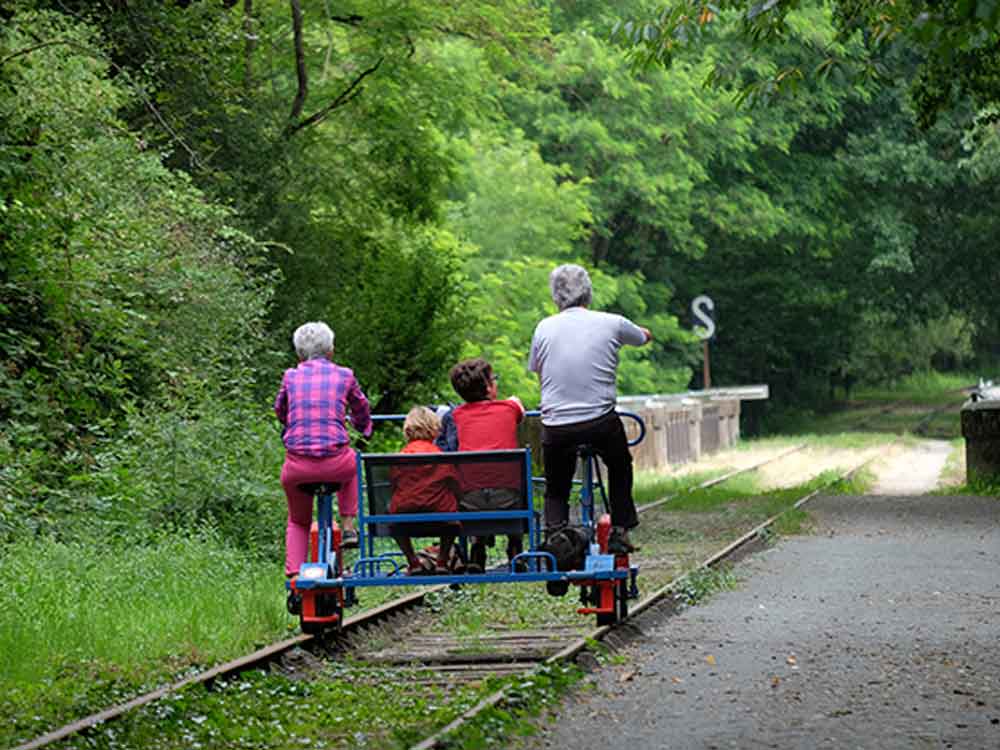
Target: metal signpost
[{"x": 702, "y": 308}]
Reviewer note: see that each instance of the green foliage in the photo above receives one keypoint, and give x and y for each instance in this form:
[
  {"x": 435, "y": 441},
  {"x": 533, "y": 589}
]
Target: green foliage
[
  {"x": 958, "y": 43},
  {"x": 181, "y": 185},
  {"x": 886, "y": 349},
  {"x": 510, "y": 203},
  {"x": 119, "y": 282},
  {"x": 982, "y": 486},
  {"x": 394, "y": 308},
  {"x": 216, "y": 465}
]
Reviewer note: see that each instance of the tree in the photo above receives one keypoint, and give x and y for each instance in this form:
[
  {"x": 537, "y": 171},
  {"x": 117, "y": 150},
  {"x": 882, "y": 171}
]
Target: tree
[
  {"x": 958, "y": 43},
  {"x": 120, "y": 283}
]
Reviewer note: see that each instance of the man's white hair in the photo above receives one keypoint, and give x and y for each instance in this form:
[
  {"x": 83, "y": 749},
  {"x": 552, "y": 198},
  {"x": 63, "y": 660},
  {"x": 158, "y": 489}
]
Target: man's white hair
[
  {"x": 570, "y": 285},
  {"x": 312, "y": 340}
]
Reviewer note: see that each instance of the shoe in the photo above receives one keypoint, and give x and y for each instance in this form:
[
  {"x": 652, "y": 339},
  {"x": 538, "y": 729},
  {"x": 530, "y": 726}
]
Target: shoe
[
  {"x": 557, "y": 588},
  {"x": 477, "y": 554},
  {"x": 619, "y": 543},
  {"x": 514, "y": 548},
  {"x": 349, "y": 539}
]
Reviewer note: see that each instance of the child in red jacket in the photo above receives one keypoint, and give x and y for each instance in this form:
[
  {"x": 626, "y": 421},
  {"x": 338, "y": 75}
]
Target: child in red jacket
[
  {"x": 427, "y": 488},
  {"x": 484, "y": 423}
]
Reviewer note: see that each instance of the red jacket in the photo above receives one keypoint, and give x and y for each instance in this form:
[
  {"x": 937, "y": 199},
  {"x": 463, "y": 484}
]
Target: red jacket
[
  {"x": 488, "y": 426},
  {"x": 427, "y": 488}
]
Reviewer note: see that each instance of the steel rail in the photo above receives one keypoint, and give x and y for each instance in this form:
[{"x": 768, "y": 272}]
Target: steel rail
[
  {"x": 719, "y": 480},
  {"x": 439, "y": 738},
  {"x": 259, "y": 658}
]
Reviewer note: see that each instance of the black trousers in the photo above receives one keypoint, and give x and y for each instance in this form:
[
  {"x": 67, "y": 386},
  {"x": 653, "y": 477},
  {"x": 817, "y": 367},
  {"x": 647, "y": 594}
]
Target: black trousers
[{"x": 606, "y": 435}]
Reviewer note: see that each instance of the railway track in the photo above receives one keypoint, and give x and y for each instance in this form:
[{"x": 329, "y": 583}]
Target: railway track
[
  {"x": 429, "y": 656},
  {"x": 669, "y": 593}
]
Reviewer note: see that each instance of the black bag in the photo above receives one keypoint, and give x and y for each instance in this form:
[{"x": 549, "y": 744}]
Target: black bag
[{"x": 569, "y": 547}]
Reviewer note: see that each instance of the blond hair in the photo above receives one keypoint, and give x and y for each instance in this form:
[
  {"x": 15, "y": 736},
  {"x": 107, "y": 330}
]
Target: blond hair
[{"x": 421, "y": 424}]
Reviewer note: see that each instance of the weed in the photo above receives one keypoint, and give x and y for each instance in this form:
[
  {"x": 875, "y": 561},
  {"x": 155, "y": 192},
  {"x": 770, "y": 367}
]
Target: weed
[
  {"x": 792, "y": 522},
  {"x": 857, "y": 484},
  {"x": 650, "y": 487},
  {"x": 977, "y": 486},
  {"x": 340, "y": 706},
  {"x": 701, "y": 583}
]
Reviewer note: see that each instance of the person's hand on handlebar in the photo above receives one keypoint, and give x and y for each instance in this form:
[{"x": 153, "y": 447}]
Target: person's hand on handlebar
[{"x": 649, "y": 335}]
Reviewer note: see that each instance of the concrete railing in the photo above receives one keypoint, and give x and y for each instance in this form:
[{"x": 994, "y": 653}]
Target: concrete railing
[{"x": 680, "y": 427}]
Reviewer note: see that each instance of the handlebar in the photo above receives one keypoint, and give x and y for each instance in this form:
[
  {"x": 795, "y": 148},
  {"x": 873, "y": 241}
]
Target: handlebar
[
  {"x": 639, "y": 423},
  {"x": 534, "y": 413}
]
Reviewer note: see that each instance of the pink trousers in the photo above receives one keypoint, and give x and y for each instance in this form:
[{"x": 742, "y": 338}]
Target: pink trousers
[{"x": 298, "y": 470}]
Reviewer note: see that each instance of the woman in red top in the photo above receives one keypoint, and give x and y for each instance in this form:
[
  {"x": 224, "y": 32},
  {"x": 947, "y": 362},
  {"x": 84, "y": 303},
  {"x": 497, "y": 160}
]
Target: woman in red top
[{"x": 430, "y": 488}]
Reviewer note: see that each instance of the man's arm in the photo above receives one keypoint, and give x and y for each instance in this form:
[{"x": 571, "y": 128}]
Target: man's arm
[
  {"x": 632, "y": 334},
  {"x": 534, "y": 357}
]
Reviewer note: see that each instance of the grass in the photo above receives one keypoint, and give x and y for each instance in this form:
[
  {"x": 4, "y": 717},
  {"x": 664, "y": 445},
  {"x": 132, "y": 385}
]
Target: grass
[
  {"x": 474, "y": 610},
  {"x": 650, "y": 486},
  {"x": 524, "y": 700},
  {"x": 339, "y": 706},
  {"x": 890, "y": 409},
  {"x": 981, "y": 488},
  {"x": 953, "y": 473},
  {"x": 83, "y": 626},
  {"x": 932, "y": 388}
]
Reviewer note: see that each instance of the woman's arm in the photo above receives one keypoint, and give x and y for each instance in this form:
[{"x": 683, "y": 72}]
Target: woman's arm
[
  {"x": 357, "y": 403},
  {"x": 281, "y": 404}
]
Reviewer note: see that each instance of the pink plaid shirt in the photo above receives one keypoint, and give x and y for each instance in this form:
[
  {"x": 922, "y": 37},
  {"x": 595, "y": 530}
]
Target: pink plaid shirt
[{"x": 313, "y": 403}]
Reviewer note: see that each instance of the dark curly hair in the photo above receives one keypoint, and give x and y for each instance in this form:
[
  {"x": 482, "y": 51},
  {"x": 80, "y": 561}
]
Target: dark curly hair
[{"x": 471, "y": 379}]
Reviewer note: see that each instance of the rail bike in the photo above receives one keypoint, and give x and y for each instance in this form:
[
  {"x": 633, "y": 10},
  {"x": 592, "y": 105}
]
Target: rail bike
[{"x": 327, "y": 584}]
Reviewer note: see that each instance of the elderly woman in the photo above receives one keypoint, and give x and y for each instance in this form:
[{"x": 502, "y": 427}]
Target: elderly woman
[
  {"x": 312, "y": 406},
  {"x": 575, "y": 354}
]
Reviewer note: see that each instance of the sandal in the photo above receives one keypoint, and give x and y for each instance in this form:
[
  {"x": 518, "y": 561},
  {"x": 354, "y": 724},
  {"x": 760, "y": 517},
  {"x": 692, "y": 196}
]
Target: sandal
[{"x": 422, "y": 567}]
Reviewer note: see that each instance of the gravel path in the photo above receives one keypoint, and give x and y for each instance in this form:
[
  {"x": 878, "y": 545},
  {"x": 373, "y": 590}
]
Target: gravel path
[
  {"x": 914, "y": 471},
  {"x": 880, "y": 631}
]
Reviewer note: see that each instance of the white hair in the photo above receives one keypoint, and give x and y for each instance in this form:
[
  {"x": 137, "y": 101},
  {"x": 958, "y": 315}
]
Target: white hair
[
  {"x": 570, "y": 285},
  {"x": 312, "y": 340}
]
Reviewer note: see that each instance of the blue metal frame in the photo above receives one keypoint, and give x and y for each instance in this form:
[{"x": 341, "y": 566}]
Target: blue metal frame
[{"x": 367, "y": 571}]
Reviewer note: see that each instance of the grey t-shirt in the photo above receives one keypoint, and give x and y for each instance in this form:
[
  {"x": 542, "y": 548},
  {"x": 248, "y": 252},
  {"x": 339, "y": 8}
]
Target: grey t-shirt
[{"x": 575, "y": 353}]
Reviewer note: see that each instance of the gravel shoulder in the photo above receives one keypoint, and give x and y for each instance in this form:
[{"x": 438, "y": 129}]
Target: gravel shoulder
[{"x": 878, "y": 631}]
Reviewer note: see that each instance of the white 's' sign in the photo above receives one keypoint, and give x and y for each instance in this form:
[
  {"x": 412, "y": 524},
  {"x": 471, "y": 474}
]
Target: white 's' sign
[{"x": 702, "y": 308}]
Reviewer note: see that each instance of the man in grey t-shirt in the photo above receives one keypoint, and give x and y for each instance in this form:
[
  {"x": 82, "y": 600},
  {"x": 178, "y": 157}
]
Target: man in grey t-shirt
[{"x": 575, "y": 354}]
